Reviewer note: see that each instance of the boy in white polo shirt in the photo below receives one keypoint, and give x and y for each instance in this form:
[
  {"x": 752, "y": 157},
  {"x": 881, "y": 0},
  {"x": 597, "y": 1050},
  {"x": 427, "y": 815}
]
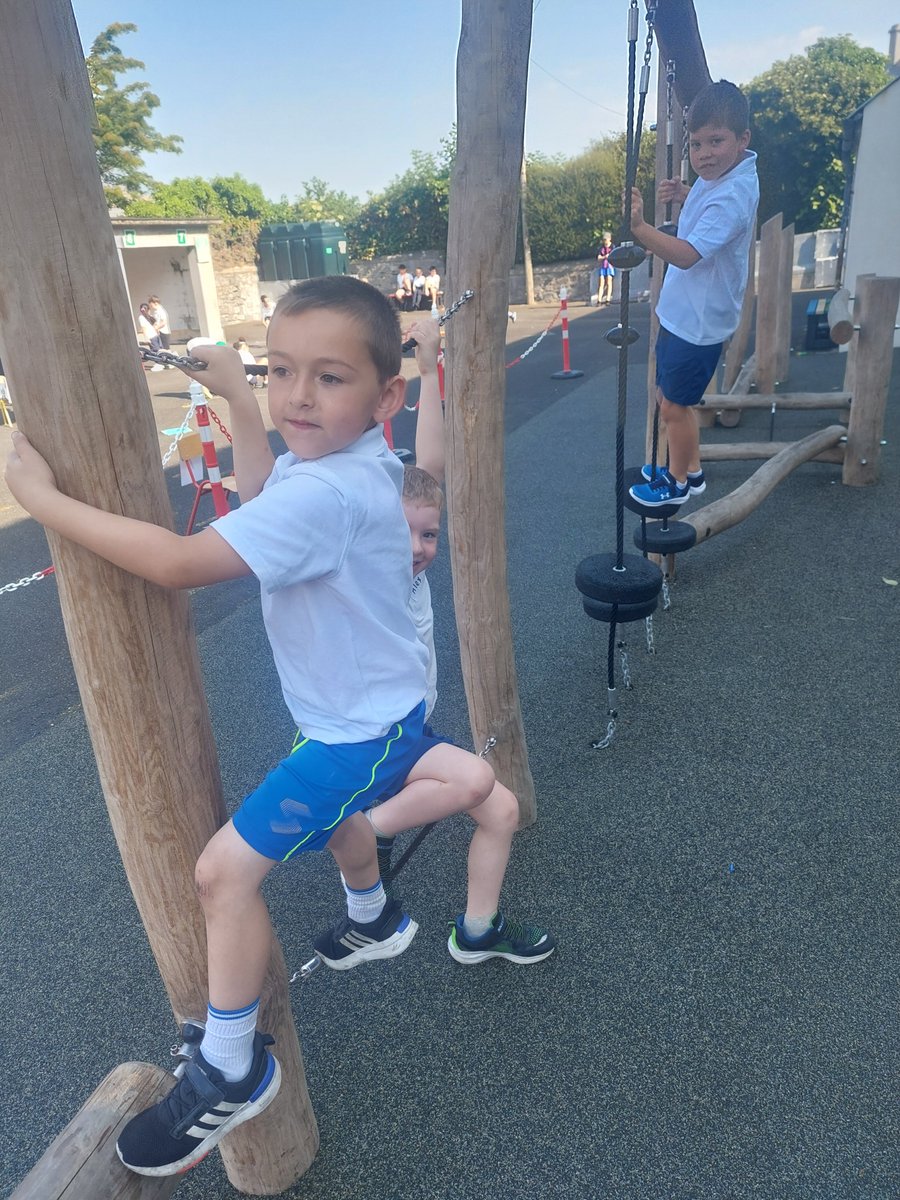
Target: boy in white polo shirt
[
  {"x": 700, "y": 302},
  {"x": 322, "y": 527}
]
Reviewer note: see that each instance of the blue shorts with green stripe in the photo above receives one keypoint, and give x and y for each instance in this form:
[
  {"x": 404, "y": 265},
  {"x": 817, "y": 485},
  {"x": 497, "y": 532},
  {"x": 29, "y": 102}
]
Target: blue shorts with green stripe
[{"x": 300, "y": 803}]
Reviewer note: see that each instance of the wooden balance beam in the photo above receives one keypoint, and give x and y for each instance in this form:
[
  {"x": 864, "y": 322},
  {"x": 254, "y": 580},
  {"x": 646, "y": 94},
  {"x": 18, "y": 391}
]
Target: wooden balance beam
[
  {"x": 82, "y": 1164},
  {"x": 733, "y": 508}
]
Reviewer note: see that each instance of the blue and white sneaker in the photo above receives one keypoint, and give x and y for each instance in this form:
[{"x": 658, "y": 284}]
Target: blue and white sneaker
[
  {"x": 350, "y": 943},
  {"x": 200, "y": 1110},
  {"x": 660, "y": 491},
  {"x": 696, "y": 479}
]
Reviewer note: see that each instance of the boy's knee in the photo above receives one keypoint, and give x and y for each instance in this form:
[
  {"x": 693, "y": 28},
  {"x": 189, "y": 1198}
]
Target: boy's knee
[
  {"x": 504, "y": 807},
  {"x": 214, "y": 874},
  {"x": 479, "y": 781}
]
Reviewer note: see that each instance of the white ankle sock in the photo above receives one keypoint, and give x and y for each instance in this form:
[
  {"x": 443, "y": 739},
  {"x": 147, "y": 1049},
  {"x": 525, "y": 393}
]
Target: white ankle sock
[
  {"x": 364, "y": 906},
  {"x": 380, "y": 834},
  {"x": 228, "y": 1041},
  {"x": 477, "y": 927}
]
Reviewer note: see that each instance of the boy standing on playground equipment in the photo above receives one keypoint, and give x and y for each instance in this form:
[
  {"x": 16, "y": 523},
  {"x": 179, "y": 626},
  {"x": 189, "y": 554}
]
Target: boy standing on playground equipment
[
  {"x": 482, "y": 931},
  {"x": 322, "y": 528},
  {"x": 700, "y": 302}
]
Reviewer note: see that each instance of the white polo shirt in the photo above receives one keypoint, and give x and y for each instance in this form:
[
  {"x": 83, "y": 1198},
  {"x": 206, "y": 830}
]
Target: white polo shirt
[
  {"x": 329, "y": 543},
  {"x": 423, "y": 618},
  {"x": 702, "y": 304}
]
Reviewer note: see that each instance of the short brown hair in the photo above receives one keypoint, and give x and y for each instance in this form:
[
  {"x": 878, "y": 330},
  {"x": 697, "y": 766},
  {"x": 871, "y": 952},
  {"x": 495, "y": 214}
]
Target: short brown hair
[
  {"x": 421, "y": 488},
  {"x": 364, "y": 303},
  {"x": 722, "y": 104}
]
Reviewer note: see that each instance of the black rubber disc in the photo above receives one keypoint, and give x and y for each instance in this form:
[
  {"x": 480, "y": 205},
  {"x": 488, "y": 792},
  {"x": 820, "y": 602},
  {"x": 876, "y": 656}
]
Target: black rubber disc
[
  {"x": 632, "y": 476},
  {"x": 601, "y": 611},
  {"x": 639, "y": 580},
  {"x": 619, "y": 336},
  {"x": 627, "y": 256},
  {"x": 676, "y": 537}
]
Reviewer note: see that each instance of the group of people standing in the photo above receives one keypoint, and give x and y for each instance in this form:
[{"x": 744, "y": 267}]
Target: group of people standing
[
  {"x": 418, "y": 290},
  {"x": 153, "y": 326}
]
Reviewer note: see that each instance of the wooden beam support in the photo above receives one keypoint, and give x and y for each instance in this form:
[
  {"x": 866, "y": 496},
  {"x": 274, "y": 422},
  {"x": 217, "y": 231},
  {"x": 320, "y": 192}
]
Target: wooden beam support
[
  {"x": 491, "y": 74},
  {"x": 783, "y": 400},
  {"x": 68, "y": 344},
  {"x": 870, "y": 360},
  {"x": 733, "y": 508},
  {"x": 783, "y": 305},
  {"x": 744, "y": 451},
  {"x": 767, "y": 304},
  {"x": 737, "y": 347}
]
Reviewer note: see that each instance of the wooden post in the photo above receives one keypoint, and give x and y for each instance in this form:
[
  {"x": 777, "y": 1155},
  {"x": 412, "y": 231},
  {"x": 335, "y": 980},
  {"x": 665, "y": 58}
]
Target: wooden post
[
  {"x": 870, "y": 359},
  {"x": 783, "y": 305},
  {"x": 491, "y": 73},
  {"x": 527, "y": 264},
  {"x": 767, "y": 304},
  {"x": 69, "y": 346},
  {"x": 737, "y": 347},
  {"x": 678, "y": 38}
]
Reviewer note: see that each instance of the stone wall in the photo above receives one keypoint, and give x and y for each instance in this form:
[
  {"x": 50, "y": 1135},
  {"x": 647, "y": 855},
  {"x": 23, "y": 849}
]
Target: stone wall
[{"x": 238, "y": 289}]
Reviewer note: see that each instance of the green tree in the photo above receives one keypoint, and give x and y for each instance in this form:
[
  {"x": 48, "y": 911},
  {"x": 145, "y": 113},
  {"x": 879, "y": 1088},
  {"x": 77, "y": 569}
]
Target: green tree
[
  {"x": 798, "y": 108},
  {"x": 412, "y": 212},
  {"x": 572, "y": 201},
  {"x": 318, "y": 202},
  {"x": 123, "y": 133}
]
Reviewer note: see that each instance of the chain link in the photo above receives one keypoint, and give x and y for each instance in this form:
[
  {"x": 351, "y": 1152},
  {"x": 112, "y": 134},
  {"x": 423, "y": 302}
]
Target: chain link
[
  {"x": 26, "y": 580},
  {"x": 602, "y": 743},
  {"x": 536, "y": 343},
  {"x": 218, "y": 421},
  {"x": 623, "y": 658},
  {"x": 648, "y": 626},
  {"x": 182, "y": 429},
  {"x": 666, "y": 594}
]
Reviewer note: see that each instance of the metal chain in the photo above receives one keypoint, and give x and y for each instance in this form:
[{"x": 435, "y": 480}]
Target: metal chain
[
  {"x": 648, "y": 625},
  {"x": 602, "y": 743},
  {"x": 623, "y": 659},
  {"x": 667, "y": 598},
  {"x": 536, "y": 343},
  {"x": 218, "y": 421},
  {"x": 182, "y": 429},
  {"x": 26, "y": 580},
  {"x": 455, "y": 306}
]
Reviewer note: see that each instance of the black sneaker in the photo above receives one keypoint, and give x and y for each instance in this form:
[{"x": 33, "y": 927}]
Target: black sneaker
[
  {"x": 200, "y": 1110},
  {"x": 507, "y": 939},
  {"x": 350, "y": 943}
]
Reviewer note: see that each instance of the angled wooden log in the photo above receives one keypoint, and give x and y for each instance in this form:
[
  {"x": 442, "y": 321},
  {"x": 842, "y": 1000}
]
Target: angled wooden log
[
  {"x": 678, "y": 38},
  {"x": 491, "y": 73},
  {"x": 69, "y": 347},
  {"x": 737, "y": 347},
  {"x": 733, "y": 508}
]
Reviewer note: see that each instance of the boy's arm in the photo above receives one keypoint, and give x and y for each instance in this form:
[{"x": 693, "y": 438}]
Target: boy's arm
[
  {"x": 225, "y": 376},
  {"x": 430, "y": 420},
  {"x": 674, "y": 250},
  {"x": 144, "y": 549}
]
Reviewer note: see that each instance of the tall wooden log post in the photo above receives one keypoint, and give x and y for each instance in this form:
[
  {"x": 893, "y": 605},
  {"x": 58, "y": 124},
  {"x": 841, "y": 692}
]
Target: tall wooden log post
[
  {"x": 868, "y": 374},
  {"x": 68, "y": 345},
  {"x": 767, "y": 304},
  {"x": 491, "y": 74}
]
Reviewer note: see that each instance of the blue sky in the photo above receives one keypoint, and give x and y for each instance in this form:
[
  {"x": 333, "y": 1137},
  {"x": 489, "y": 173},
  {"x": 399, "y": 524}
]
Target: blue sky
[{"x": 284, "y": 90}]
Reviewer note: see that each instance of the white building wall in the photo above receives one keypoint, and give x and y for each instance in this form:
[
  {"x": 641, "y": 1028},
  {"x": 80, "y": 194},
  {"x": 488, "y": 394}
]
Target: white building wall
[{"x": 873, "y": 240}]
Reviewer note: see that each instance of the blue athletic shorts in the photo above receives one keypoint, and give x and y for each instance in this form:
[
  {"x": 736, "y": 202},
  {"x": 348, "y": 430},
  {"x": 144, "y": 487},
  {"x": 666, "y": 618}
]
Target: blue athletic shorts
[
  {"x": 300, "y": 803},
  {"x": 428, "y": 740},
  {"x": 683, "y": 370}
]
